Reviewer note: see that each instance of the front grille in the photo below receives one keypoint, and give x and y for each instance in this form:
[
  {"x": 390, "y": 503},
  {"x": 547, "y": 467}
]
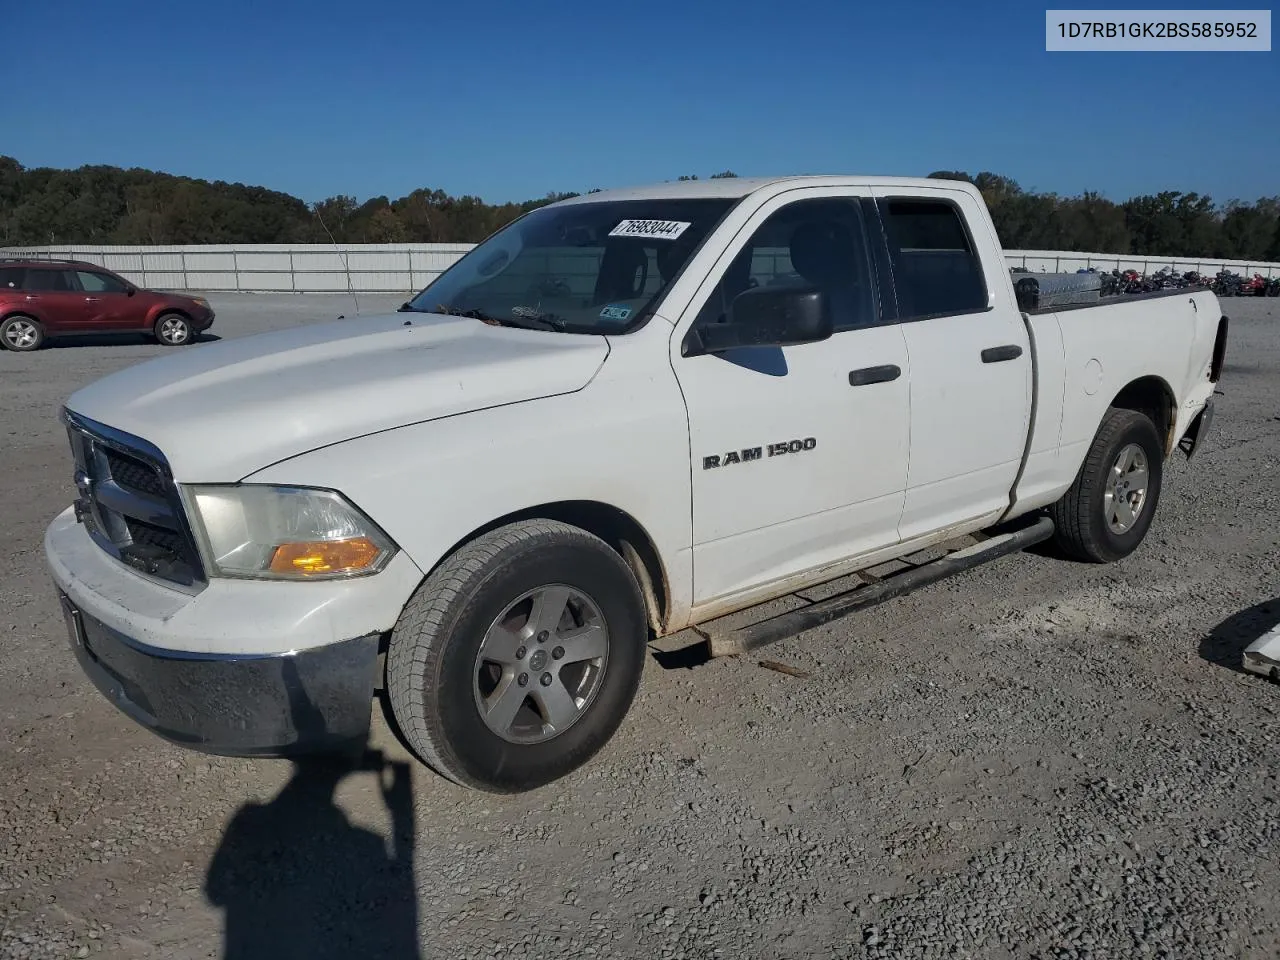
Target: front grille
[
  {"x": 133, "y": 474},
  {"x": 150, "y": 535},
  {"x": 130, "y": 504}
]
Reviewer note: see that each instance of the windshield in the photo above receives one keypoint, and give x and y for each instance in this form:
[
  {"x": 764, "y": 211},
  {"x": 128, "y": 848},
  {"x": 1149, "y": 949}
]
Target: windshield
[{"x": 593, "y": 267}]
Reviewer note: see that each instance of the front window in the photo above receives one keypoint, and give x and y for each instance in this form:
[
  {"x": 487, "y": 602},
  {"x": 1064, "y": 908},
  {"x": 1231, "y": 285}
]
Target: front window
[
  {"x": 92, "y": 282},
  {"x": 594, "y": 267}
]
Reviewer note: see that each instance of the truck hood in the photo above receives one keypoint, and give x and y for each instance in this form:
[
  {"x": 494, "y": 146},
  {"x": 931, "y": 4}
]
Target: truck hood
[{"x": 221, "y": 411}]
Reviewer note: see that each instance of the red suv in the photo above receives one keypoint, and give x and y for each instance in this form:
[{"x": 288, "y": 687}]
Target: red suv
[{"x": 40, "y": 298}]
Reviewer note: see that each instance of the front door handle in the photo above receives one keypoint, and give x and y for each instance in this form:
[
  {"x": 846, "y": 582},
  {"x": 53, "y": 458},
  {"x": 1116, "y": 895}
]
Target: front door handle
[
  {"x": 881, "y": 374},
  {"x": 1010, "y": 351},
  {"x": 92, "y": 299}
]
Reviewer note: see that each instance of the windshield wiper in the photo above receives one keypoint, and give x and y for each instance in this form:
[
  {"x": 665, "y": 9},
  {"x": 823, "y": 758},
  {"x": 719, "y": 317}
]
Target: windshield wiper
[{"x": 545, "y": 322}]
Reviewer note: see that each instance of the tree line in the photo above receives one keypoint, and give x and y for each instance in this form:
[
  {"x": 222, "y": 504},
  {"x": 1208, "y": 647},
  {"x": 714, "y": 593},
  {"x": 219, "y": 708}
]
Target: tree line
[
  {"x": 1167, "y": 223},
  {"x": 111, "y": 205}
]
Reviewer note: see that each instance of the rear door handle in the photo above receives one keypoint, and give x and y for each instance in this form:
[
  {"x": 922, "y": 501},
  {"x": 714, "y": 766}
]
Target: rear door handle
[
  {"x": 1010, "y": 351},
  {"x": 92, "y": 299},
  {"x": 881, "y": 374}
]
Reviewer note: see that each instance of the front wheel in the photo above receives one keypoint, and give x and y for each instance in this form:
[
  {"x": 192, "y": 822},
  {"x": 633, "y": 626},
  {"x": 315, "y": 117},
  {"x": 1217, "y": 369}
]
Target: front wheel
[
  {"x": 518, "y": 658},
  {"x": 1106, "y": 512},
  {"x": 173, "y": 330}
]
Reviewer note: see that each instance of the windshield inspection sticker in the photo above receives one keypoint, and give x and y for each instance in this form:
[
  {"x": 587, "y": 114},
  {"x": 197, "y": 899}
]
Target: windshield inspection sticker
[
  {"x": 658, "y": 229},
  {"x": 613, "y": 312}
]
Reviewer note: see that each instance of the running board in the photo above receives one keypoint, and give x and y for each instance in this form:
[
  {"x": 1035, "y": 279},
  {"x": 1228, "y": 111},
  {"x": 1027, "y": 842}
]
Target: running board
[{"x": 875, "y": 591}]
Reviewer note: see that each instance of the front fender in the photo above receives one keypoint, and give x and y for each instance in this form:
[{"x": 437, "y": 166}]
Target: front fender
[{"x": 621, "y": 441}]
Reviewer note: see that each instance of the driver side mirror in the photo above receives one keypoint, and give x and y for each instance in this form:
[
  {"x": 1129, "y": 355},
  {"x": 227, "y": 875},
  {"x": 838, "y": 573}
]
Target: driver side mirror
[
  {"x": 767, "y": 317},
  {"x": 130, "y": 290}
]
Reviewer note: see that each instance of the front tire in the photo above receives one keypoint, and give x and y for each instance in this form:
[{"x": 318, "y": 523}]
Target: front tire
[
  {"x": 516, "y": 660},
  {"x": 173, "y": 330},
  {"x": 1106, "y": 512},
  {"x": 21, "y": 334}
]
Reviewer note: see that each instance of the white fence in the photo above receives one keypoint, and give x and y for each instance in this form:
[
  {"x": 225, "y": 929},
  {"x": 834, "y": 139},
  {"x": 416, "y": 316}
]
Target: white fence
[
  {"x": 1062, "y": 261},
  {"x": 267, "y": 267},
  {"x": 408, "y": 267}
]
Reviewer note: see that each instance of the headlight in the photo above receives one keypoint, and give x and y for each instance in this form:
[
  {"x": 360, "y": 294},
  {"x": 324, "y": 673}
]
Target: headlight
[{"x": 285, "y": 533}]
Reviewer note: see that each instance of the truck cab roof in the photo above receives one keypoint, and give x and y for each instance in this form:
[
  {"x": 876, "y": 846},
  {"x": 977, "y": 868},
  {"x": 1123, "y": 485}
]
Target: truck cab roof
[{"x": 736, "y": 187}]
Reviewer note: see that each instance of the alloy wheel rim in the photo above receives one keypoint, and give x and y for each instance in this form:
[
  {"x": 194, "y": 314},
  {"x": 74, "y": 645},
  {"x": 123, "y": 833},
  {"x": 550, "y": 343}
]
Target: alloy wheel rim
[
  {"x": 174, "y": 331},
  {"x": 541, "y": 664},
  {"x": 1125, "y": 495},
  {"x": 20, "y": 334}
]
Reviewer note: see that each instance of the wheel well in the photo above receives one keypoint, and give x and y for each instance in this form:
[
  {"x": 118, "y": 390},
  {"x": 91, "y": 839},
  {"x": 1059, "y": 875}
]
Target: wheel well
[
  {"x": 165, "y": 311},
  {"x": 615, "y": 527},
  {"x": 1219, "y": 352},
  {"x": 1151, "y": 397},
  {"x": 20, "y": 313}
]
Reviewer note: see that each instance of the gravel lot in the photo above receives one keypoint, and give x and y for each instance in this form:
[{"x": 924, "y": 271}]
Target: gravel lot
[{"x": 1037, "y": 759}]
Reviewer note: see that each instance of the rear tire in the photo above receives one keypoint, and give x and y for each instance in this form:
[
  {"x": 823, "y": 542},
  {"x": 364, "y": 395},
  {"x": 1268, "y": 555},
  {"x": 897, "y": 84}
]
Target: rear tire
[
  {"x": 173, "y": 330},
  {"x": 538, "y": 600},
  {"x": 1106, "y": 512},
  {"x": 21, "y": 333}
]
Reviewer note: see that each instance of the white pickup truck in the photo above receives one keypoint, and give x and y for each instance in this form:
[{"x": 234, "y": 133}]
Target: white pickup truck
[{"x": 622, "y": 415}]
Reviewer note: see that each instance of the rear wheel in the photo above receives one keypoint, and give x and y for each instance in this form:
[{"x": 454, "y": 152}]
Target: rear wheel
[
  {"x": 173, "y": 330},
  {"x": 1107, "y": 511},
  {"x": 518, "y": 658},
  {"x": 21, "y": 333}
]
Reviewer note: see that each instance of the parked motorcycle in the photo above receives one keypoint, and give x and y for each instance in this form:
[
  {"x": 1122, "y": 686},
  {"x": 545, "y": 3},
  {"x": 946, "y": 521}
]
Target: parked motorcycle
[
  {"x": 1255, "y": 286},
  {"x": 1227, "y": 284}
]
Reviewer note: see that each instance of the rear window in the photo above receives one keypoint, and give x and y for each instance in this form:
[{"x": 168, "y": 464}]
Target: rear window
[
  {"x": 50, "y": 281},
  {"x": 936, "y": 270},
  {"x": 10, "y": 278}
]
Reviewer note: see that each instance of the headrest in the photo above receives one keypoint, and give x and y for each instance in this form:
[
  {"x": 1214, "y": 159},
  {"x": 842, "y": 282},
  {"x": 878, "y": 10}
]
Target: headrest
[{"x": 822, "y": 251}]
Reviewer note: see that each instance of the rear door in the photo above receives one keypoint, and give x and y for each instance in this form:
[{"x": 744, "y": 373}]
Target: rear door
[
  {"x": 52, "y": 297},
  {"x": 109, "y": 305},
  {"x": 971, "y": 375}
]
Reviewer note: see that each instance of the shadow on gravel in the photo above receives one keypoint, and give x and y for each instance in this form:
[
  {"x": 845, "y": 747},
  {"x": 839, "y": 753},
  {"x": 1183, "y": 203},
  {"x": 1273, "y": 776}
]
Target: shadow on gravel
[
  {"x": 295, "y": 878},
  {"x": 1225, "y": 644},
  {"x": 686, "y": 658}
]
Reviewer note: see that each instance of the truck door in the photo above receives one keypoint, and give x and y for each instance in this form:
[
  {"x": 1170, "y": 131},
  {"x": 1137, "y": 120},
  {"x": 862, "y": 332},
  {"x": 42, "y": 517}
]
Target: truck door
[
  {"x": 970, "y": 356},
  {"x": 799, "y": 453}
]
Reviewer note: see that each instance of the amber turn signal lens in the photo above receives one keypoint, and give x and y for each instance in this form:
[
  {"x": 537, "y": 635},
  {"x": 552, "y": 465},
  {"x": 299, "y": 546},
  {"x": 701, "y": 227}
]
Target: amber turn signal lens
[{"x": 325, "y": 556}]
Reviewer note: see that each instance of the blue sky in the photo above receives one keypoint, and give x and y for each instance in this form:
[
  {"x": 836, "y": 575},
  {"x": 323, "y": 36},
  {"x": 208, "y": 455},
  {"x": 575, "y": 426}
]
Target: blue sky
[{"x": 509, "y": 100}]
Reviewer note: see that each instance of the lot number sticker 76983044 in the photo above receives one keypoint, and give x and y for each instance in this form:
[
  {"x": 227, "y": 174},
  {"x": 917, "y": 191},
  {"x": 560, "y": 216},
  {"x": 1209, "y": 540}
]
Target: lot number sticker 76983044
[{"x": 657, "y": 229}]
